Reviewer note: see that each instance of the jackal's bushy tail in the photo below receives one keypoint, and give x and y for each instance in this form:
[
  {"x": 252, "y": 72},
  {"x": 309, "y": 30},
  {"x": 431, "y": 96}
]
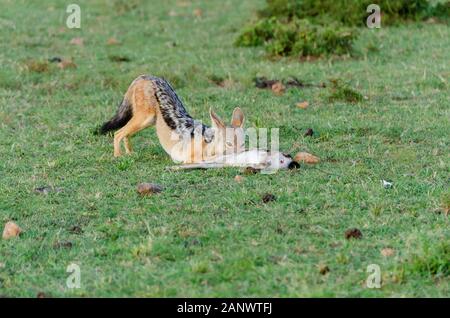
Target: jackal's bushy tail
[{"x": 120, "y": 119}]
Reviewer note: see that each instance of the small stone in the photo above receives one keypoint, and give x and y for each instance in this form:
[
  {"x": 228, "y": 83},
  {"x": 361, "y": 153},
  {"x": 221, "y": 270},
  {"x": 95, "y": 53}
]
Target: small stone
[
  {"x": 309, "y": 132},
  {"x": 387, "y": 184},
  {"x": 148, "y": 188},
  {"x": 250, "y": 171},
  {"x": 55, "y": 59},
  {"x": 183, "y": 3},
  {"x": 323, "y": 269},
  {"x": 306, "y": 158},
  {"x": 263, "y": 83},
  {"x": 62, "y": 244},
  {"x": 268, "y": 197},
  {"x": 278, "y": 88},
  {"x": 112, "y": 41},
  {"x": 238, "y": 179},
  {"x": 171, "y": 44},
  {"x": 77, "y": 41},
  {"x": 386, "y": 252},
  {"x": 119, "y": 58},
  {"x": 192, "y": 242},
  {"x": 353, "y": 233},
  {"x": 279, "y": 229},
  {"x": 11, "y": 230},
  {"x": 198, "y": 13},
  {"x": 47, "y": 189},
  {"x": 303, "y": 105},
  {"x": 43, "y": 190},
  {"x": 226, "y": 83},
  {"x": 76, "y": 229}
]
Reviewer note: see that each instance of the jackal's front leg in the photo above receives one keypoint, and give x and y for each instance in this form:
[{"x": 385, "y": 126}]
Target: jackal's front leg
[{"x": 127, "y": 143}]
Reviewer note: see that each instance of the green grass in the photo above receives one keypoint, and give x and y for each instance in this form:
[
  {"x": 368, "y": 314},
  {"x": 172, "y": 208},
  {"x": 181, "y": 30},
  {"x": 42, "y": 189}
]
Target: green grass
[{"x": 207, "y": 235}]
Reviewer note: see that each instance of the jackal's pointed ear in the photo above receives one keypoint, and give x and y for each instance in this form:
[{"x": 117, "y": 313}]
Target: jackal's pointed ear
[
  {"x": 216, "y": 121},
  {"x": 237, "y": 120}
]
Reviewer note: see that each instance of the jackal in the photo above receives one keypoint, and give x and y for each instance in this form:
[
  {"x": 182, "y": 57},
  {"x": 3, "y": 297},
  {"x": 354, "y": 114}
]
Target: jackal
[{"x": 152, "y": 101}]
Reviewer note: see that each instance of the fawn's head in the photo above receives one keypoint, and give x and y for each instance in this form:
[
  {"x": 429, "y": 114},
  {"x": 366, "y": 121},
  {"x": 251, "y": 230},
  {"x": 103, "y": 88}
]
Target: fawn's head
[{"x": 229, "y": 138}]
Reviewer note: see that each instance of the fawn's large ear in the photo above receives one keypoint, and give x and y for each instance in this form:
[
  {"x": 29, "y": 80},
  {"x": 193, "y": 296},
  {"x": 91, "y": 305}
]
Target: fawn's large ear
[
  {"x": 237, "y": 120},
  {"x": 216, "y": 121}
]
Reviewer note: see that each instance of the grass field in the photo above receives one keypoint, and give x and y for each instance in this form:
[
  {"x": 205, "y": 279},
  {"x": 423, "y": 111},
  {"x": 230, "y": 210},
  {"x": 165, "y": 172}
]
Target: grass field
[{"x": 206, "y": 234}]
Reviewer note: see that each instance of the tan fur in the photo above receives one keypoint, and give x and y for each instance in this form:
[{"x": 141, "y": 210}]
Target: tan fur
[
  {"x": 146, "y": 112},
  {"x": 145, "y": 109}
]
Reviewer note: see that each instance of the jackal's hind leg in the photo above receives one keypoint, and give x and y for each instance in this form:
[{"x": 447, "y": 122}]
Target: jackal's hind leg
[
  {"x": 117, "y": 139},
  {"x": 137, "y": 123}
]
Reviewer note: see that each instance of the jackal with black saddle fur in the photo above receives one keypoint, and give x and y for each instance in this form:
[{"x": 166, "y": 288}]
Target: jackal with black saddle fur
[{"x": 152, "y": 101}]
